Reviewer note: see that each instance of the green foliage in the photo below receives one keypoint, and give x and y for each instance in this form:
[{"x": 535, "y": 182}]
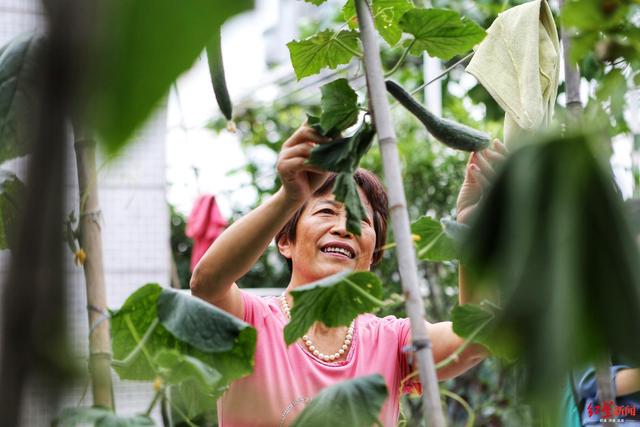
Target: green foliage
[
  {"x": 356, "y": 403},
  {"x": 476, "y": 322},
  {"x": 99, "y": 417},
  {"x": 346, "y": 192},
  {"x": 11, "y": 194},
  {"x": 180, "y": 322},
  {"x": 339, "y": 104},
  {"x": 140, "y": 49},
  {"x": 442, "y": 33},
  {"x": 607, "y": 28},
  {"x": 552, "y": 237},
  {"x": 386, "y": 17},
  {"x": 344, "y": 154},
  {"x": 339, "y": 111},
  {"x": 325, "y": 49},
  {"x": 438, "y": 240},
  {"x": 176, "y": 368},
  {"x": 335, "y": 301},
  {"x": 19, "y": 78}
]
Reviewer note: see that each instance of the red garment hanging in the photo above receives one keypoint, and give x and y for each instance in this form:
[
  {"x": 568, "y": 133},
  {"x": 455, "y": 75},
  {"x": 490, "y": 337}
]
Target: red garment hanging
[{"x": 204, "y": 225}]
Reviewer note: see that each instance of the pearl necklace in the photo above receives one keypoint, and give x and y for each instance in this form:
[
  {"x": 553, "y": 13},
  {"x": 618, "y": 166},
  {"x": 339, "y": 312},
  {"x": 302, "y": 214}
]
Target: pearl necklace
[{"x": 312, "y": 348}]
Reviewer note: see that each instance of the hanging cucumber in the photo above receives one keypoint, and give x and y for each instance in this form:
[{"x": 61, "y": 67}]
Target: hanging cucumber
[
  {"x": 448, "y": 132},
  {"x": 216, "y": 68}
]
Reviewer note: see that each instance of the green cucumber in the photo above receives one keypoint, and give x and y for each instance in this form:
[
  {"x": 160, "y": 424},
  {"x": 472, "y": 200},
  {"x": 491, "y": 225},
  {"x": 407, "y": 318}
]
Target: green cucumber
[
  {"x": 216, "y": 68},
  {"x": 448, "y": 132}
]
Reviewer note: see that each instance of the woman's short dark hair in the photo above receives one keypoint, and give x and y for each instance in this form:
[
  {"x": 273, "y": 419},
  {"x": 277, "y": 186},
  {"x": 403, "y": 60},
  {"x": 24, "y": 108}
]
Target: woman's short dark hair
[{"x": 376, "y": 195}]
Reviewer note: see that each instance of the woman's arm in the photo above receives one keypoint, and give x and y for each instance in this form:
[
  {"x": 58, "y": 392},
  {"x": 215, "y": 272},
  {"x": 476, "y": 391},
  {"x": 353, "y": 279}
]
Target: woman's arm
[
  {"x": 627, "y": 381},
  {"x": 237, "y": 249},
  {"x": 479, "y": 173}
]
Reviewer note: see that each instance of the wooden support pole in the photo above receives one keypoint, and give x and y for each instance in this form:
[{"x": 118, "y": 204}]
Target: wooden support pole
[
  {"x": 91, "y": 242},
  {"x": 405, "y": 251}
]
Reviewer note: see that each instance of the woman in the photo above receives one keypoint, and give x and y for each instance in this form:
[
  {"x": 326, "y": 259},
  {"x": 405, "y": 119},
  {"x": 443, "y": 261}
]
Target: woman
[{"x": 311, "y": 233}]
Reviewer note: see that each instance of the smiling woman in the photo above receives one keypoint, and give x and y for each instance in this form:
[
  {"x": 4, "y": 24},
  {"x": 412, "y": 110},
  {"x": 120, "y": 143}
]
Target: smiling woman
[{"x": 310, "y": 230}]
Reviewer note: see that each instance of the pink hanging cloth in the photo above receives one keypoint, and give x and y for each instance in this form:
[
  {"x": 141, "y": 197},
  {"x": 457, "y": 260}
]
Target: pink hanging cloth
[{"x": 204, "y": 225}]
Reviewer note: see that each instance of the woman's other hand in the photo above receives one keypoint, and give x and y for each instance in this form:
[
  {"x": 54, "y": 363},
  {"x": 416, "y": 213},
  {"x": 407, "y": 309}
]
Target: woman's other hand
[
  {"x": 481, "y": 169},
  {"x": 300, "y": 179}
]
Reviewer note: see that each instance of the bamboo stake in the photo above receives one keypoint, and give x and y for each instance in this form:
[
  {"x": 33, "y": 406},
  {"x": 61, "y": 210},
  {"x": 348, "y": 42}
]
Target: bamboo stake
[
  {"x": 91, "y": 241},
  {"x": 571, "y": 76},
  {"x": 574, "y": 107},
  {"x": 380, "y": 112}
]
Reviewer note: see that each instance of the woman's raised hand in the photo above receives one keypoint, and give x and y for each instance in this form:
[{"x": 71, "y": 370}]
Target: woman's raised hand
[
  {"x": 480, "y": 171},
  {"x": 300, "y": 179}
]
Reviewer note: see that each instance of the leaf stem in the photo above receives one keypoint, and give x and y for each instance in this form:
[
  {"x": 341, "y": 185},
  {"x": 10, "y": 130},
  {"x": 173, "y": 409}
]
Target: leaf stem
[
  {"x": 139, "y": 346},
  {"x": 401, "y": 60},
  {"x": 154, "y": 401},
  {"x": 182, "y": 414},
  {"x": 472, "y": 417},
  {"x": 442, "y": 74},
  {"x": 364, "y": 294},
  {"x": 454, "y": 356}
]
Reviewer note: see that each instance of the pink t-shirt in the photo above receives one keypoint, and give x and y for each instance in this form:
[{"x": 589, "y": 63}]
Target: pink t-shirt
[{"x": 286, "y": 378}]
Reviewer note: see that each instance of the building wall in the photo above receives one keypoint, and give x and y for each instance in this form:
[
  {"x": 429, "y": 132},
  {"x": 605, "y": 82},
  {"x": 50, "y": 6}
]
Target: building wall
[{"x": 135, "y": 227}]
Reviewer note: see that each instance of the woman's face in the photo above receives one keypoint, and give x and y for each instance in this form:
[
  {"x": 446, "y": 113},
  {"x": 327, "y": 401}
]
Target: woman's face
[{"x": 323, "y": 245}]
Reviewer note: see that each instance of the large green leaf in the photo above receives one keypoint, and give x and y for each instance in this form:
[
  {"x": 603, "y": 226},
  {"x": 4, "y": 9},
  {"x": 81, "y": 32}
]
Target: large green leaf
[
  {"x": 175, "y": 368},
  {"x": 386, "y": 17},
  {"x": 222, "y": 341},
  {"x": 343, "y": 156},
  {"x": 19, "y": 77},
  {"x": 442, "y": 33},
  {"x": 191, "y": 402},
  {"x": 552, "y": 236},
  {"x": 11, "y": 194},
  {"x": 353, "y": 403},
  {"x": 345, "y": 191},
  {"x": 99, "y": 417},
  {"x": 439, "y": 240},
  {"x": 339, "y": 104},
  {"x": 325, "y": 49},
  {"x": 141, "y": 47},
  {"x": 335, "y": 301},
  {"x": 476, "y": 322}
]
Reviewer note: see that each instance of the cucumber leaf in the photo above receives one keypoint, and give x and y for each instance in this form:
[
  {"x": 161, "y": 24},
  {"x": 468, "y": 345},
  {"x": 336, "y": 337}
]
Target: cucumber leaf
[
  {"x": 386, "y": 17},
  {"x": 355, "y": 403},
  {"x": 11, "y": 194},
  {"x": 325, "y": 49},
  {"x": 342, "y": 156},
  {"x": 316, "y": 2},
  {"x": 141, "y": 47},
  {"x": 551, "y": 235},
  {"x": 335, "y": 301},
  {"x": 439, "y": 240},
  {"x": 339, "y": 104},
  {"x": 99, "y": 417},
  {"x": 223, "y": 342},
  {"x": 19, "y": 77},
  {"x": 477, "y": 323},
  {"x": 442, "y": 33},
  {"x": 175, "y": 368},
  {"x": 345, "y": 191}
]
